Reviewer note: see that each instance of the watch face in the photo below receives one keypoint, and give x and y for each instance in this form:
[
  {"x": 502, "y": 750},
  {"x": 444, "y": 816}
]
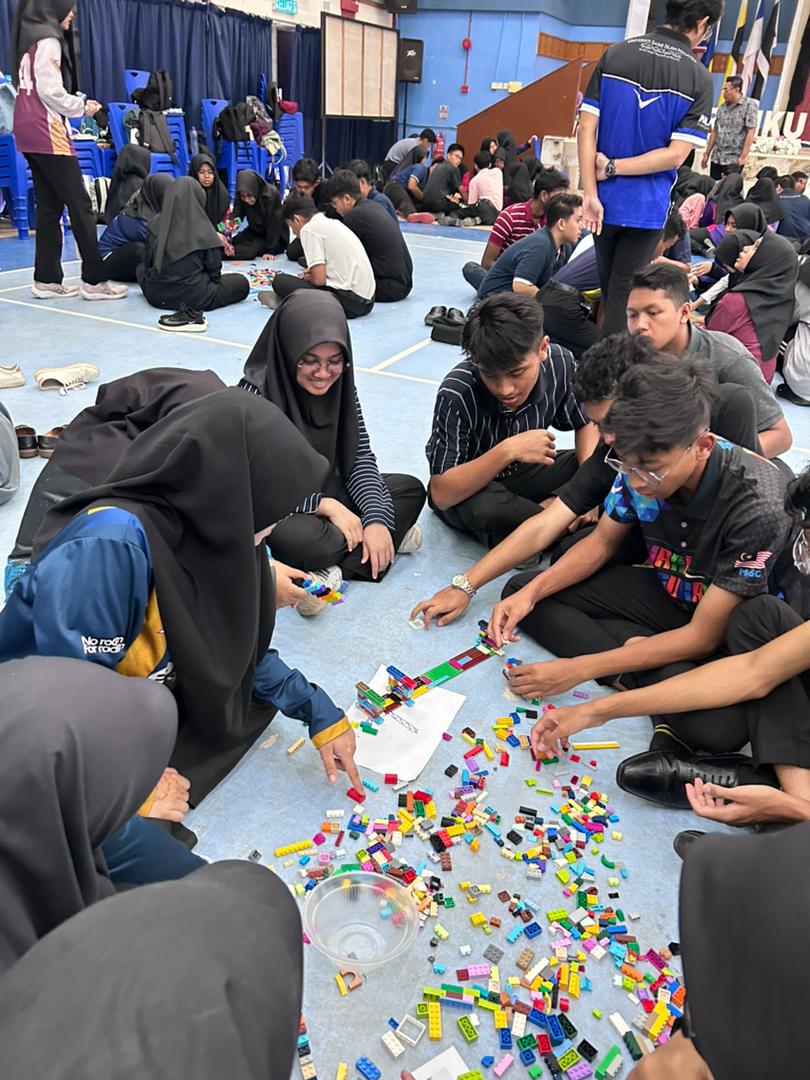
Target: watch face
[{"x": 458, "y": 581}]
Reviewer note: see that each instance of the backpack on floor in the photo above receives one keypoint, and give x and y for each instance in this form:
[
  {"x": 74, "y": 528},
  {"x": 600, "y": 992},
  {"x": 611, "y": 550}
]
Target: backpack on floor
[
  {"x": 157, "y": 94},
  {"x": 154, "y": 134},
  {"x": 232, "y": 123}
]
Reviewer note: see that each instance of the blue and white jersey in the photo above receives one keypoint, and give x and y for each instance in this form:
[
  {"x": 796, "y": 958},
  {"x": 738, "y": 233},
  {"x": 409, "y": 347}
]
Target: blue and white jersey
[{"x": 647, "y": 92}]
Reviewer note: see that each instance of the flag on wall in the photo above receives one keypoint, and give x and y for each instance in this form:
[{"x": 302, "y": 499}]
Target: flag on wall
[
  {"x": 711, "y": 47},
  {"x": 753, "y": 48},
  {"x": 733, "y": 58},
  {"x": 766, "y": 52}
]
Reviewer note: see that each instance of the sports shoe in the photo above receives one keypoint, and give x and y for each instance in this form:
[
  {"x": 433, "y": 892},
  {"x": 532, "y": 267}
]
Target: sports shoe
[
  {"x": 269, "y": 299},
  {"x": 411, "y": 541},
  {"x": 313, "y": 605},
  {"x": 105, "y": 290},
  {"x": 448, "y": 220},
  {"x": 469, "y": 222},
  {"x": 422, "y": 218},
  {"x": 11, "y": 375},
  {"x": 63, "y": 379},
  {"x": 53, "y": 290},
  {"x": 185, "y": 321}
]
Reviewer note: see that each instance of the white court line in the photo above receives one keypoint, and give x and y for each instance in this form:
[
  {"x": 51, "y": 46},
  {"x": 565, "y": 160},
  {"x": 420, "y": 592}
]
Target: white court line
[
  {"x": 445, "y": 248},
  {"x": 383, "y": 364},
  {"x": 799, "y": 450},
  {"x": 30, "y": 269},
  {"x": 399, "y": 375}
]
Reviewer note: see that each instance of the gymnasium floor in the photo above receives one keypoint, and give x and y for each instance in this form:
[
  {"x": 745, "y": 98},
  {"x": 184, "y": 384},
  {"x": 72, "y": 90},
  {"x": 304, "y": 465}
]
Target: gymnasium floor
[{"x": 273, "y": 799}]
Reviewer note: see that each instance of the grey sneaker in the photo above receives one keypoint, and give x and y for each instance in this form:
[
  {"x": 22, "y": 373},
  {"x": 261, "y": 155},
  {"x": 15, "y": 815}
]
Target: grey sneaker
[
  {"x": 269, "y": 299},
  {"x": 105, "y": 290},
  {"x": 53, "y": 290},
  {"x": 411, "y": 541},
  {"x": 469, "y": 222},
  {"x": 313, "y": 605}
]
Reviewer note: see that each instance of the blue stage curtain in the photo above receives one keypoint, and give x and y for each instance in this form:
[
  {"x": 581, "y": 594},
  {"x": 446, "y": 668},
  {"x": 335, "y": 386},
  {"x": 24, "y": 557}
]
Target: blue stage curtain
[
  {"x": 7, "y": 9},
  {"x": 345, "y": 139},
  {"x": 240, "y": 49}
]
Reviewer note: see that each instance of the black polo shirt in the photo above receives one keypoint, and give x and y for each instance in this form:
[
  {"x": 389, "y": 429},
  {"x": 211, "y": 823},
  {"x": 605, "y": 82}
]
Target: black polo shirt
[
  {"x": 728, "y": 534},
  {"x": 385, "y": 246},
  {"x": 444, "y": 181}
]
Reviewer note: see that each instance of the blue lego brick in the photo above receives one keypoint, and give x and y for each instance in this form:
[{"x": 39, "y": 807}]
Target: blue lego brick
[
  {"x": 555, "y": 1031},
  {"x": 505, "y": 1038},
  {"x": 527, "y": 1057},
  {"x": 367, "y": 1069},
  {"x": 532, "y": 930}
]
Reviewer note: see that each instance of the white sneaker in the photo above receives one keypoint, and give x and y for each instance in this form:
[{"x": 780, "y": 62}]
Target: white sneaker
[
  {"x": 411, "y": 541},
  {"x": 105, "y": 290},
  {"x": 313, "y": 605},
  {"x": 64, "y": 379},
  {"x": 53, "y": 290},
  {"x": 11, "y": 376}
]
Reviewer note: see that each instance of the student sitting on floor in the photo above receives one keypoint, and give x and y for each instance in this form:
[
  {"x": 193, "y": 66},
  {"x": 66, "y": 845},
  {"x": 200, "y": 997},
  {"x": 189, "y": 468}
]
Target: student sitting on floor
[
  {"x": 354, "y": 525},
  {"x": 487, "y": 184},
  {"x": 658, "y": 307},
  {"x": 217, "y": 200},
  {"x": 307, "y": 180},
  {"x": 259, "y": 203},
  {"x": 367, "y": 190},
  {"x": 335, "y": 258},
  {"x": 182, "y": 267},
  {"x": 515, "y": 222},
  {"x": 713, "y": 522},
  {"x": 597, "y": 375},
  {"x": 131, "y": 169},
  {"x": 492, "y": 459},
  {"x": 757, "y": 307},
  {"x": 530, "y": 263},
  {"x": 406, "y": 186},
  {"x": 123, "y": 242},
  {"x": 442, "y": 191},
  {"x": 380, "y": 236}
]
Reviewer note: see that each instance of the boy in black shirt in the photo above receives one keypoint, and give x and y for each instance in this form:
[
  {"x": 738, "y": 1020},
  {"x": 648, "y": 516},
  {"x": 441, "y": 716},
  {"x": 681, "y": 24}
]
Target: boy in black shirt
[
  {"x": 442, "y": 193},
  {"x": 378, "y": 233}
]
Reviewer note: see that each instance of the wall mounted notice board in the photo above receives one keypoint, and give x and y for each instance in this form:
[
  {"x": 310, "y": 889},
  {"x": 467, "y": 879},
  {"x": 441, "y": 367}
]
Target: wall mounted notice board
[{"x": 359, "y": 73}]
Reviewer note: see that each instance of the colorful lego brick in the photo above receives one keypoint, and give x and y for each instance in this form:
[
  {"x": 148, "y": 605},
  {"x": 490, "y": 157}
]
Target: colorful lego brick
[
  {"x": 569, "y": 1058},
  {"x": 474, "y": 1075},
  {"x": 434, "y": 1017},
  {"x": 392, "y": 1044},
  {"x": 367, "y": 1069},
  {"x": 580, "y": 1071},
  {"x": 503, "y": 1065},
  {"x": 467, "y": 1028},
  {"x": 410, "y": 1030},
  {"x": 342, "y": 1071},
  {"x": 610, "y": 1065},
  {"x": 505, "y": 1039},
  {"x": 527, "y": 1057}
]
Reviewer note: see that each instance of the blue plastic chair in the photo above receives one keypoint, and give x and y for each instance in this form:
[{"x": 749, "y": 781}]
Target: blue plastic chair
[
  {"x": 161, "y": 163},
  {"x": 15, "y": 176},
  {"x": 231, "y": 157},
  {"x": 291, "y": 129},
  {"x": 177, "y": 128},
  {"x": 135, "y": 80}
]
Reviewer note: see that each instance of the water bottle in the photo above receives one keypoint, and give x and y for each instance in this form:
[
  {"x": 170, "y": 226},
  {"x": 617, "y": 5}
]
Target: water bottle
[{"x": 194, "y": 142}]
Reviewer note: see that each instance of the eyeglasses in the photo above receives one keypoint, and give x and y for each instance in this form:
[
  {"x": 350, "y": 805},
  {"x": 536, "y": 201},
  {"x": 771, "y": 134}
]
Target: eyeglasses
[
  {"x": 801, "y": 553},
  {"x": 646, "y": 476},
  {"x": 311, "y": 366}
]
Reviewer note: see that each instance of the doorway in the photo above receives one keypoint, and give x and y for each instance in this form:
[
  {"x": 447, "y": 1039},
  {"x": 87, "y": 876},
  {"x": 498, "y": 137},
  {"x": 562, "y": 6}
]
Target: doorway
[{"x": 283, "y": 47}]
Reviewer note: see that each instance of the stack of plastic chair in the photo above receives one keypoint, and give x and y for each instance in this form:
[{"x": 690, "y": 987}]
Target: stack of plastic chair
[
  {"x": 88, "y": 153},
  {"x": 291, "y": 129},
  {"x": 161, "y": 163},
  {"x": 15, "y": 176},
  {"x": 231, "y": 156},
  {"x": 135, "y": 80}
]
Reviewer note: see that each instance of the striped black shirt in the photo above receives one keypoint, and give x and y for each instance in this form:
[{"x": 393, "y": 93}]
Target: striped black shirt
[
  {"x": 365, "y": 485},
  {"x": 468, "y": 421}
]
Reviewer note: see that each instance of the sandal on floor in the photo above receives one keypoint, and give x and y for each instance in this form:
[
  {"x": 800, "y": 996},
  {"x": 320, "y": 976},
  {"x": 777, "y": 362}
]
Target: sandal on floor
[{"x": 26, "y": 441}]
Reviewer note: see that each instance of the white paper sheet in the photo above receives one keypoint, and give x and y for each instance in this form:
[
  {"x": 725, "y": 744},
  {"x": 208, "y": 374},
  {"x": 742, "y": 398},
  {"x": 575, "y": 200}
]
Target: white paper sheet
[
  {"x": 408, "y": 737},
  {"x": 447, "y": 1066}
]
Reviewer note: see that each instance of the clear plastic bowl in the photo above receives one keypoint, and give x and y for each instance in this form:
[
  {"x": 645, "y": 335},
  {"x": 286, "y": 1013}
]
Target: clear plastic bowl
[{"x": 360, "y": 920}]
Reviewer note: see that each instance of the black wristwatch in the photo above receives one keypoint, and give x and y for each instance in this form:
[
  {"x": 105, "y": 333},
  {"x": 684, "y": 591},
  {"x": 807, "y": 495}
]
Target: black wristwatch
[{"x": 610, "y": 169}]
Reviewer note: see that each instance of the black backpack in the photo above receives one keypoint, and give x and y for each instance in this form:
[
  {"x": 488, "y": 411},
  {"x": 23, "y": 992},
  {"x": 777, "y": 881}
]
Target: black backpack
[
  {"x": 157, "y": 94},
  {"x": 232, "y": 122},
  {"x": 154, "y": 134}
]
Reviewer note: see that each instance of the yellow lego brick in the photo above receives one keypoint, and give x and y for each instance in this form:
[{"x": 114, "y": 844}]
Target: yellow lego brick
[
  {"x": 342, "y": 1071},
  {"x": 613, "y": 881},
  {"x": 440, "y": 932},
  {"x": 563, "y": 876},
  {"x": 564, "y": 977},
  {"x": 478, "y": 919},
  {"x": 586, "y": 781},
  {"x": 500, "y": 1019},
  {"x": 571, "y": 857},
  {"x": 434, "y": 1017},
  {"x": 341, "y": 985},
  {"x": 456, "y": 830},
  {"x": 419, "y": 691},
  {"x": 468, "y": 738},
  {"x": 573, "y": 984},
  {"x": 488, "y": 751},
  {"x": 430, "y": 809},
  {"x": 616, "y": 836},
  {"x": 485, "y": 890},
  {"x": 474, "y": 844},
  {"x": 464, "y": 885},
  {"x": 530, "y": 783}
]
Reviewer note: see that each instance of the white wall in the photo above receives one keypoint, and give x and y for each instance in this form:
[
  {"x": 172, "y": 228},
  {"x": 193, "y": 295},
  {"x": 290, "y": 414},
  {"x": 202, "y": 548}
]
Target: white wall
[{"x": 309, "y": 11}]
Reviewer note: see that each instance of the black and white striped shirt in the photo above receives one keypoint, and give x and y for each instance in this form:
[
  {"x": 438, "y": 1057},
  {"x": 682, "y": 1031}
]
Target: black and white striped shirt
[
  {"x": 468, "y": 421},
  {"x": 365, "y": 485}
]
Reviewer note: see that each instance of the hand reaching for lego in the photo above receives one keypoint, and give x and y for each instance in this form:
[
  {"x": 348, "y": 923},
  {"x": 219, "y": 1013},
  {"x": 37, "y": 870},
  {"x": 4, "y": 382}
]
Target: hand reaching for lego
[
  {"x": 545, "y": 679},
  {"x": 339, "y": 755},
  {"x": 288, "y": 591},
  {"x": 554, "y": 728},
  {"x": 446, "y": 606}
]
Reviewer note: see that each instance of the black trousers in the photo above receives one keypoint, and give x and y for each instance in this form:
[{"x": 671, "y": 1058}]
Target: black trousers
[
  {"x": 474, "y": 274},
  {"x": 620, "y": 252},
  {"x": 398, "y": 194},
  {"x": 295, "y": 250},
  {"x": 483, "y": 209},
  {"x": 352, "y": 304},
  {"x": 232, "y": 289},
  {"x": 310, "y": 542},
  {"x": 122, "y": 263},
  {"x": 58, "y": 183},
  {"x": 567, "y": 319},
  {"x": 494, "y": 512}
]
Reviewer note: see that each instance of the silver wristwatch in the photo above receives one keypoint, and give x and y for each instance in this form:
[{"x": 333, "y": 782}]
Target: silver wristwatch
[{"x": 461, "y": 581}]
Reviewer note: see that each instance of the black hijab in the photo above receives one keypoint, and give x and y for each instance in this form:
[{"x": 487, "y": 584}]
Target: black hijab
[
  {"x": 728, "y": 195},
  {"x": 80, "y": 750},
  {"x": 131, "y": 169},
  {"x": 197, "y": 978},
  {"x": 148, "y": 202},
  {"x": 506, "y": 141},
  {"x": 688, "y": 183},
  {"x": 217, "y": 199},
  {"x": 768, "y": 283},
  {"x": 182, "y": 226},
  {"x": 735, "y": 891},
  {"x": 202, "y": 482},
  {"x": 264, "y": 216},
  {"x": 763, "y": 194},
  {"x": 304, "y": 319},
  {"x": 748, "y": 215},
  {"x": 93, "y": 442},
  {"x": 518, "y": 181},
  {"x": 486, "y": 145},
  {"x": 39, "y": 19}
]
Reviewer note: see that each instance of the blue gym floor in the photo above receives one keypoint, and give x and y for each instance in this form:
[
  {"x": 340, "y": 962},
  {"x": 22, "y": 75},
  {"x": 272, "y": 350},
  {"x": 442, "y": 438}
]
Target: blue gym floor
[{"x": 273, "y": 799}]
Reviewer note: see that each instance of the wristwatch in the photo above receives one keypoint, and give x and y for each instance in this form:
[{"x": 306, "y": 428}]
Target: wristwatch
[
  {"x": 461, "y": 581},
  {"x": 610, "y": 169}
]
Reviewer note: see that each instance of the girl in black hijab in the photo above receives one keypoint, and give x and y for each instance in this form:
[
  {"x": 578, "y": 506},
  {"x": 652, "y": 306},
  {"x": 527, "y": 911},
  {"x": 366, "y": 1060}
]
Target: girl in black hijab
[
  {"x": 80, "y": 750},
  {"x": 728, "y": 195},
  {"x": 217, "y": 200},
  {"x": 763, "y": 194},
  {"x": 257, "y": 201},
  {"x": 358, "y": 519},
  {"x": 182, "y": 267},
  {"x": 757, "y": 307},
  {"x": 123, "y": 242},
  {"x": 131, "y": 169},
  {"x": 200, "y": 978}
]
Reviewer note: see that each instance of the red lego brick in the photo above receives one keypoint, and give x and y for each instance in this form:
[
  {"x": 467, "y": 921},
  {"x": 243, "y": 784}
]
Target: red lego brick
[{"x": 356, "y": 795}]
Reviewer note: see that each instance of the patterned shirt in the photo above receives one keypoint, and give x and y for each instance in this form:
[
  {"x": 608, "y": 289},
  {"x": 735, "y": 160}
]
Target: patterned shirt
[
  {"x": 468, "y": 421},
  {"x": 732, "y": 124},
  {"x": 728, "y": 534},
  {"x": 513, "y": 224}
]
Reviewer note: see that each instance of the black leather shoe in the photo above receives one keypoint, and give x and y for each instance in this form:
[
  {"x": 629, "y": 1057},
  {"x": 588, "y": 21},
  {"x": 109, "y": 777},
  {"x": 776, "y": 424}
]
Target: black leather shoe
[
  {"x": 456, "y": 315},
  {"x": 684, "y": 839},
  {"x": 660, "y": 776},
  {"x": 438, "y": 312}
]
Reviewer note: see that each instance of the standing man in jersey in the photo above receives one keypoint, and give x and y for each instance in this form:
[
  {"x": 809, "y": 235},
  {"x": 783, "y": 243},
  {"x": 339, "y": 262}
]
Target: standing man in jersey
[{"x": 648, "y": 104}]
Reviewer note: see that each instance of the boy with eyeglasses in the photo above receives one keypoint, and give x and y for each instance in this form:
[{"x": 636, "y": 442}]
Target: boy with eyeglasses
[{"x": 713, "y": 521}]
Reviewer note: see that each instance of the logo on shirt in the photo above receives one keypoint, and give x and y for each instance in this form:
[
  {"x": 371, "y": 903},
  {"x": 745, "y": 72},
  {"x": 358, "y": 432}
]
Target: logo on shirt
[
  {"x": 649, "y": 101},
  {"x": 94, "y": 645},
  {"x": 752, "y": 562},
  {"x": 675, "y": 575}
]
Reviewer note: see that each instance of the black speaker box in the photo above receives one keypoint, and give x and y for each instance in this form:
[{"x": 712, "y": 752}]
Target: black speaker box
[
  {"x": 401, "y": 7},
  {"x": 409, "y": 67}
]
